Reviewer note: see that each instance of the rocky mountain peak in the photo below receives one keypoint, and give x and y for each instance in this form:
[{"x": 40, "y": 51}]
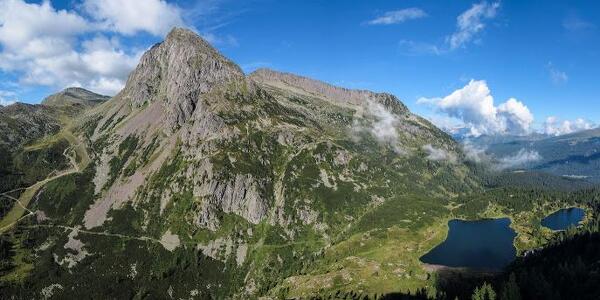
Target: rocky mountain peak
[
  {"x": 74, "y": 96},
  {"x": 178, "y": 72}
]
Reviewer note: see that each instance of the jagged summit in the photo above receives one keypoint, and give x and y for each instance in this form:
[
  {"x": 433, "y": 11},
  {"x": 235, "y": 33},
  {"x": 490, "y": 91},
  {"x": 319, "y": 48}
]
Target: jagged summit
[
  {"x": 74, "y": 96},
  {"x": 326, "y": 90},
  {"x": 177, "y": 72}
]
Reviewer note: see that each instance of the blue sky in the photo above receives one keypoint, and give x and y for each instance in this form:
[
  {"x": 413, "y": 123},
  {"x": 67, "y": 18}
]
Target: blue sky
[{"x": 545, "y": 54}]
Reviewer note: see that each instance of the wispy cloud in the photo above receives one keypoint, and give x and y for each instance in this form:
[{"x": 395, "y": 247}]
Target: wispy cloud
[
  {"x": 438, "y": 154},
  {"x": 398, "y": 16},
  {"x": 471, "y": 23},
  {"x": 220, "y": 40},
  {"x": 557, "y": 76},
  {"x": 249, "y": 67},
  {"x": 469, "y": 26},
  {"x": 575, "y": 23},
  {"x": 519, "y": 159},
  {"x": 408, "y": 47},
  {"x": 376, "y": 119}
]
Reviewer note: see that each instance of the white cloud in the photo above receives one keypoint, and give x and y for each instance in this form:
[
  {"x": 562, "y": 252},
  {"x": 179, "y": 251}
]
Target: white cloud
[
  {"x": 398, "y": 16},
  {"x": 474, "y": 153},
  {"x": 4, "y": 102},
  {"x": 438, "y": 154},
  {"x": 45, "y": 46},
  {"x": 131, "y": 16},
  {"x": 519, "y": 159},
  {"x": 37, "y": 29},
  {"x": 409, "y": 47},
  {"x": 557, "y": 76},
  {"x": 3, "y": 98},
  {"x": 575, "y": 23},
  {"x": 227, "y": 40},
  {"x": 553, "y": 126},
  {"x": 474, "y": 106},
  {"x": 515, "y": 116},
  {"x": 471, "y": 22},
  {"x": 380, "y": 122}
]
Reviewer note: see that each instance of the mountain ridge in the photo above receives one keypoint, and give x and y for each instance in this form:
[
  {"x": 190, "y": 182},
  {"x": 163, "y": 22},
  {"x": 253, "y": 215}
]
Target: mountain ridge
[
  {"x": 252, "y": 179},
  {"x": 74, "y": 96}
]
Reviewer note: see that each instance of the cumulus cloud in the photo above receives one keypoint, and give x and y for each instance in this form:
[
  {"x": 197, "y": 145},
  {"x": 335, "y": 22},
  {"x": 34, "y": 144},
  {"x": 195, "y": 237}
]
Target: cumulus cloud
[
  {"x": 514, "y": 117},
  {"x": 4, "y": 98},
  {"x": 438, "y": 154},
  {"x": 130, "y": 16},
  {"x": 557, "y": 76},
  {"x": 471, "y": 23},
  {"x": 45, "y": 46},
  {"x": 519, "y": 159},
  {"x": 556, "y": 127},
  {"x": 474, "y": 106},
  {"x": 398, "y": 16},
  {"x": 37, "y": 29},
  {"x": 379, "y": 122}
]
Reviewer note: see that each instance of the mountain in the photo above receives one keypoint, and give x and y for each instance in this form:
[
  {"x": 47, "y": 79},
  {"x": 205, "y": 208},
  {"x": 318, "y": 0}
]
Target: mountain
[
  {"x": 199, "y": 180},
  {"x": 573, "y": 155},
  {"x": 32, "y": 137},
  {"x": 74, "y": 96},
  {"x": 21, "y": 123}
]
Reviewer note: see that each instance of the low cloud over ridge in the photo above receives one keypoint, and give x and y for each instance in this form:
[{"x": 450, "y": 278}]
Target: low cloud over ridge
[{"x": 376, "y": 119}]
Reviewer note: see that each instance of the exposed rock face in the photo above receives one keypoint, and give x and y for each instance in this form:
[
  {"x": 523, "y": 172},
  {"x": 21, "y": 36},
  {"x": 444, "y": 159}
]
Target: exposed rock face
[
  {"x": 240, "y": 196},
  {"x": 22, "y": 122},
  {"x": 166, "y": 94},
  {"x": 327, "y": 91},
  {"x": 75, "y": 96},
  {"x": 178, "y": 71}
]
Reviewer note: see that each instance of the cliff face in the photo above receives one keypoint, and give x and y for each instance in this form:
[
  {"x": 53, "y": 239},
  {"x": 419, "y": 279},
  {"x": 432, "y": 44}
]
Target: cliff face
[{"x": 178, "y": 72}]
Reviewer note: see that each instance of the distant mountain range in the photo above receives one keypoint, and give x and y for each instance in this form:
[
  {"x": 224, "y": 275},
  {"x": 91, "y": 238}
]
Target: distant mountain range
[{"x": 575, "y": 155}]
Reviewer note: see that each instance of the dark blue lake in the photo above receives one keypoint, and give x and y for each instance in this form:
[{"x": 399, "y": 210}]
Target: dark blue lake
[
  {"x": 484, "y": 244},
  {"x": 564, "y": 218}
]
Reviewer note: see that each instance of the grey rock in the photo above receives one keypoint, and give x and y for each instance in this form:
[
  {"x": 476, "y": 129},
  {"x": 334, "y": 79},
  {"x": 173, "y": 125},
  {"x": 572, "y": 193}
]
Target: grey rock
[
  {"x": 179, "y": 71},
  {"x": 328, "y": 91}
]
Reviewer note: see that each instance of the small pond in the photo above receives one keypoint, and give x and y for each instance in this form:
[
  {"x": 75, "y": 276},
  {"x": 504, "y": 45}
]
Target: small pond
[
  {"x": 564, "y": 218},
  {"x": 483, "y": 245}
]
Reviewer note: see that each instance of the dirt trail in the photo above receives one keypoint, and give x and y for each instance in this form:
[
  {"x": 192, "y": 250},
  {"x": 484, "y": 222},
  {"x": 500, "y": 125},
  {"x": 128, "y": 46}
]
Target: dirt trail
[{"x": 16, "y": 213}]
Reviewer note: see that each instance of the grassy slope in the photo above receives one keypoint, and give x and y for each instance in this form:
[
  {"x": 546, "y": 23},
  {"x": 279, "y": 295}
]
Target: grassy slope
[{"x": 366, "y": 246}]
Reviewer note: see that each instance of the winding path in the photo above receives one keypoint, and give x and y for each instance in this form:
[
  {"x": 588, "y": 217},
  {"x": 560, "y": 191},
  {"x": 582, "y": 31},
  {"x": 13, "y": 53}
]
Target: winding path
[{"x": 16, "y": 214}]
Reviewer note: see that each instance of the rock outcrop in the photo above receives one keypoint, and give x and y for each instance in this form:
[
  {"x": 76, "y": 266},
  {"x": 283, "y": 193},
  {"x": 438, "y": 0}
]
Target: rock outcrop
[
  {"x": 178, "y": 71},
  {"x": 20, "y": 123},
  {"x": 327, "y": 91}
]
